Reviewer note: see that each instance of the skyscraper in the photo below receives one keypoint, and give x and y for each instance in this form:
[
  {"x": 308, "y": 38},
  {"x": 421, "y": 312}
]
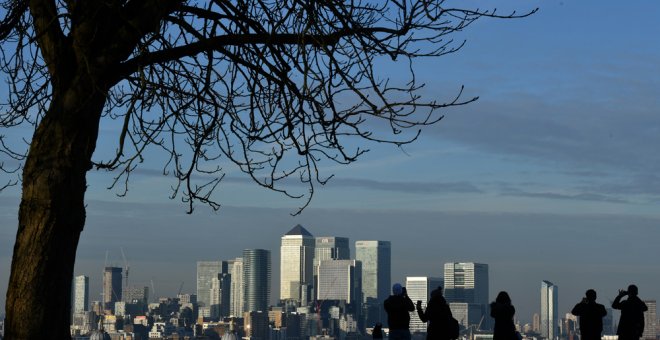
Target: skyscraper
[
  {"x": 340, "y": 280},
  {"x": 81, "y": 294},
  {"x": 420, "y": 288},
  {"x": 237, "y": 289},
  {"x": 466, "y": 282},
  {"x": 329, "y": 248},
  {"x": 206, "y": 272},
  {"x": 466, "y": 288},
  {"x": 650, "y": 320},
  {"x": 111, "y": 287},
  {"x": 549, "y": 313},
  {"x": 220, "y": 295},
  {"x": 296, "y": 265},
  {"x": 376, "y": 258},
  {"x": 256, "y": 280}
]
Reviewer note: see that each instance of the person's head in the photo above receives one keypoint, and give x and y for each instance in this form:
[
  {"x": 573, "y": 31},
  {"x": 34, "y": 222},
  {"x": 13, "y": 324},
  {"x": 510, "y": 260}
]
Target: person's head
[
  {"x": 397, "y": 289},
  {"x": 503, "y": 297},
  {"x": 591, "y": 295},
  {"x": 436, "y": 292},
  {"x": 632, "y": 290}
]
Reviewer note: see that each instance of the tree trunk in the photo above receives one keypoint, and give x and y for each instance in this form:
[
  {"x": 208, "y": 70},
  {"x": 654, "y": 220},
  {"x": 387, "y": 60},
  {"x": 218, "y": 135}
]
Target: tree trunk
[{"x": 52, "y": 213}]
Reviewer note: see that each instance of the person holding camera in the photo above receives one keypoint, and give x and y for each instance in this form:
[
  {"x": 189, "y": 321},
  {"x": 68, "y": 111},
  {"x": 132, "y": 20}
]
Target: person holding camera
[
  {"x": 591, "y": 316},
  {"x": 438, "y": 316},
  {"x": 398, "y": 307},
  {"x": 631, "y": 323}
]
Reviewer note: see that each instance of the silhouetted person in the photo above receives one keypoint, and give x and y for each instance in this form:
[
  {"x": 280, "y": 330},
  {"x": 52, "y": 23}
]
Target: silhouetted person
[
  {"x": 631, "y": 323},
  {"x": 591, "y": 316},
  {"x": 502, "y": 311},
  {"x": 437, "y": 314},
  {"x": 377, "y": 332},
  {"x": 398, "y": 307}
]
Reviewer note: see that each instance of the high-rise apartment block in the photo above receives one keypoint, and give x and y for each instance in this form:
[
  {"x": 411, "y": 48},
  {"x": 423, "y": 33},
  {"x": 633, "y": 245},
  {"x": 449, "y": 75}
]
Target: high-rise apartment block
[
  {"x": 80, "y": 294},
  {"x": 549, "y": 312},
  {"x": 237, "y": 290},
  {"x": 256, "y": 280},
  {"x": 419, "y": 289},
  {"x": 112, "y": 289}
]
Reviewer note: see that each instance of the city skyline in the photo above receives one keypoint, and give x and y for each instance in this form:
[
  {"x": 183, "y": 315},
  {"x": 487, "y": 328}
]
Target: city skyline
[
  {"x": 553, "y": 170},
  {"x": 479, "y": 268}
]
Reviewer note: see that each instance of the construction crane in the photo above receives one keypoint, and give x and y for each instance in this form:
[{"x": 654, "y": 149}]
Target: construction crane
[{"x": 180, "y": 288}]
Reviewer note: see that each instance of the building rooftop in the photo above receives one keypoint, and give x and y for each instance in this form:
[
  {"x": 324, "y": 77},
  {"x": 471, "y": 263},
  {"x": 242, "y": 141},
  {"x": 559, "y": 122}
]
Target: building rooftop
[{"x": 299, "y": 230}]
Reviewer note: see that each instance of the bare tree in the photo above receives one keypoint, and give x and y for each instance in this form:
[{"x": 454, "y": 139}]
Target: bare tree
[{"x": 273, "y": 87}]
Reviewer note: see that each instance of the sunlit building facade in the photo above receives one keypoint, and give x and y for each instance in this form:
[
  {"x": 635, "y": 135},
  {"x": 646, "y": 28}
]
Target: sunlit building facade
[
  {"x": 237, "y": 290},
  {"x": 650, "y": 320},
  {"x": 419, "y": 289},
  {"x": 81, "y": 294},
  {"x": 297, "y": 266},
  {"x": 549, "y": 313},
  {"x": 466, "y": 282}
]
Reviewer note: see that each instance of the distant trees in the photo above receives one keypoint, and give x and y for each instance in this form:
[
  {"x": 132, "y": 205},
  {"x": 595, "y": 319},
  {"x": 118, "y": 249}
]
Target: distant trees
[{"x": 273, "y": 87}]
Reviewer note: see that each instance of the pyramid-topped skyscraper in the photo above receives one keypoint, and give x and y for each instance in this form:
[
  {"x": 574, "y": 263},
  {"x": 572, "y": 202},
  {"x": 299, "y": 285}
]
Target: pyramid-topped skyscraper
[{"x": 296, "y": 266}]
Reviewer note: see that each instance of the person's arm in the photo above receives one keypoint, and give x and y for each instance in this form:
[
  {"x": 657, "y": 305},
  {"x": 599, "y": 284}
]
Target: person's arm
[
  {"x": 410, "y": 306},
  {"x": 616, "y": 304},
  {"x": 644, "y": 306},
  {"x": 421, "y": 313},
  {"x": 577, "y": 310}
]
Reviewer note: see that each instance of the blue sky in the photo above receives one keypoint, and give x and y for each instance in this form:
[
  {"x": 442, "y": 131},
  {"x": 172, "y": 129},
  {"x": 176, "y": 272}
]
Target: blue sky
[{"x": 553, "y": 174}]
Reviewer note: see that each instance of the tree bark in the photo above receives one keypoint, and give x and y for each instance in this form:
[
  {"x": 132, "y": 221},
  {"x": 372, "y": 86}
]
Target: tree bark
[{"x": 52, "y": 213}]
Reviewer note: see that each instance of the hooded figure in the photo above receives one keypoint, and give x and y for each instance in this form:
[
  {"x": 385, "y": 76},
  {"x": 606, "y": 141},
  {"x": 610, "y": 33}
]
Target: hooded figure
[
  {"x": 398, "y": 307},
  {"x": 502, "y": 311}
]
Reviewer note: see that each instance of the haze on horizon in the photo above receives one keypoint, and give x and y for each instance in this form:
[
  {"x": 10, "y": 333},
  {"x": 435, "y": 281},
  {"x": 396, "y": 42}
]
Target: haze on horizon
[{"x": 553, "y": 174}]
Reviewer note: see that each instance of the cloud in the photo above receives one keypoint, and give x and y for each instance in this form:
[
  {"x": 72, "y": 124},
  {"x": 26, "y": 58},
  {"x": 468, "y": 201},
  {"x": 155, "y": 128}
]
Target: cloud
[
  {"x": 579, "y": 197},
  {"x": 406, "y": 187}
]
